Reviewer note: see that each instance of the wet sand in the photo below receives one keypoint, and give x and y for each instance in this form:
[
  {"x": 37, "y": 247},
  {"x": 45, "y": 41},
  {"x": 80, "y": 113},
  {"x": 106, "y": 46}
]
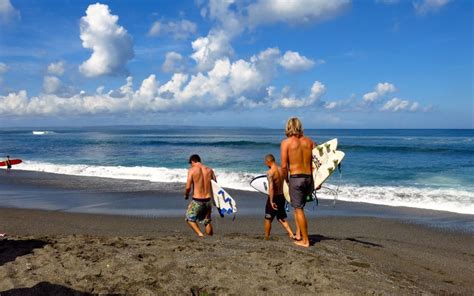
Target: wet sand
[
  {"x": 57, "y": 253},
  {"x": 356, "y": 248}
]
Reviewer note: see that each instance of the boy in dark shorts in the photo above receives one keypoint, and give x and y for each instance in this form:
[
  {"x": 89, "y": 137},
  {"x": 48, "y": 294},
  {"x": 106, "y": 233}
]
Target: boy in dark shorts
[{"x": 275, "y": 206}]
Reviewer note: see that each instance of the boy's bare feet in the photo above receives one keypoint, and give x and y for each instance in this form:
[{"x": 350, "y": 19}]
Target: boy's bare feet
[{"x": 301, "y": 244}]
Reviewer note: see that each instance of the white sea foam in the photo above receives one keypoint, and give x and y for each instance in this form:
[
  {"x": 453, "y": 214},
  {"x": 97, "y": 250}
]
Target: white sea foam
[
  {"x": 41, "y": 133},
  {"x": 227, "y": 179},
  {"x": 442, "y": 199}
]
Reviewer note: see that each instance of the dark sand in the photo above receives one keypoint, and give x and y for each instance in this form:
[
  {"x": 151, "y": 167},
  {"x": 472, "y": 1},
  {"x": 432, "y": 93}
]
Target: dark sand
[{"x": 64, "y": 253}]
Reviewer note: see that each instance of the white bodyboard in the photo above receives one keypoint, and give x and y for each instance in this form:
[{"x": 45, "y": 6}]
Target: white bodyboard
[{"x": 224, "y": 203}]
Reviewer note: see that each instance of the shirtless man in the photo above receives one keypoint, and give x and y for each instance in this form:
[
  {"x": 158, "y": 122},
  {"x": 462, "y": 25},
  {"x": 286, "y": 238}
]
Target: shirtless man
[
  {"x": 296, "y": 159},
  {"x": 200, "y": 208},
  {"x": 276, "y": 201}
]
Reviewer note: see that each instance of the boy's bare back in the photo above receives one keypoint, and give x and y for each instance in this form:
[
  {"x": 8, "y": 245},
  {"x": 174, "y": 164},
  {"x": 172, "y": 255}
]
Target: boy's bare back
[{"x": 200, "y": 176}]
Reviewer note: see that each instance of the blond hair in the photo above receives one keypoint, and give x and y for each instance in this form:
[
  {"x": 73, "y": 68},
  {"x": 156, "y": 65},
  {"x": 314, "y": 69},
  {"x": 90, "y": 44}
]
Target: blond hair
[{"x": 294, "y": 127}]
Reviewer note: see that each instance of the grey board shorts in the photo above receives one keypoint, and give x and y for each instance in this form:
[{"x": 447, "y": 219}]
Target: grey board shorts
[{"x": 300, "y": 187}]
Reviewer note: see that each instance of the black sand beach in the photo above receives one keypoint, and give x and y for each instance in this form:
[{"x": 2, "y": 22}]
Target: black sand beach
[{"x": 61, "y": 252}]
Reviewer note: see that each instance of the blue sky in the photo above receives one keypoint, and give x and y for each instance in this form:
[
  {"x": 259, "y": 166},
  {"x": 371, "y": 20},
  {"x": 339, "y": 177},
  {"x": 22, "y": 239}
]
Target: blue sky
[{"x": 335, "y": 63}]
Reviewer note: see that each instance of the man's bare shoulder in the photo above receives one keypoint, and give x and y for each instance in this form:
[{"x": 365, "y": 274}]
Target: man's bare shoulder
[
  {"x": 270, "y": 172},
  {"x": 308, "y": 140}
]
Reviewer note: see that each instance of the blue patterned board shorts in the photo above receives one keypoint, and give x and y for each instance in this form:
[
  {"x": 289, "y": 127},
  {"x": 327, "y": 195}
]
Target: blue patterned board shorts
[{"x": 199, "y": 210}]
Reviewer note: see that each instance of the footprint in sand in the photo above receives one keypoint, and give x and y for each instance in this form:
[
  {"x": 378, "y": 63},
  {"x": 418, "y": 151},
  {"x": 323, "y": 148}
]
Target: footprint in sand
[{"x": 359, "y": 264}]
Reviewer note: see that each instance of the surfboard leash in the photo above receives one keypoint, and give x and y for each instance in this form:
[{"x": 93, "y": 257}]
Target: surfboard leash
[{"x": 338, "y": 184}]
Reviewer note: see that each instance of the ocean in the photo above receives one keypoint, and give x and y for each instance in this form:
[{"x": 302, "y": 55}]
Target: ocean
[{"x": 429, "y": 169}]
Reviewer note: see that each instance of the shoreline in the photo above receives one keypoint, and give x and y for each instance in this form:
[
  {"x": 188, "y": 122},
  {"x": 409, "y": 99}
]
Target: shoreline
[
  {"x": 450, "y": 199},
  {"x": 61, "y": 253},
  {"x": 80, "y": 194}
]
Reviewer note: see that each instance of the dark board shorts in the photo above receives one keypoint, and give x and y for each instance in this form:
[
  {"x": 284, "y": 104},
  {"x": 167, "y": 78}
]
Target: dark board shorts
[{"x": 300, "y": 187}]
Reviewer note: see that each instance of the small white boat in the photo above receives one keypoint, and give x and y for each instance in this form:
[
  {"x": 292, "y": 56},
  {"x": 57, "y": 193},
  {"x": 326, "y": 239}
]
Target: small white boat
[{"x": 40, "y": 132}]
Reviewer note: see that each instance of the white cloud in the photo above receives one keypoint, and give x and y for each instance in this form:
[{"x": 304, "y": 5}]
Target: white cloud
[
  {"x": 338, "y": 105},
  {"x": 8, "y": 12},
  {"x": 216, "y": 45},
  {"x": 243, "y": 83},
  {"x": 173, "y": 62},
  {"x": 380, "y": 90},
  {"x": 244, "y": 76},
  {"x": 317, "y": 90},
  {"x": 209, "y": 49},
  {"x": 51, "y": 84},
  {"x": 177, "y": 29},
  {"x": 3, "y": 68},
  {"x": 232, "y": 18},
  {"x": 398, "y": 105},
  {"x": 112, "y": 46},
  {"x": 424, "y": 7},
  {"x": 56, "y": 68},
  {"x": 294, "y": 11},
  {"x": 293, "y": 61}
]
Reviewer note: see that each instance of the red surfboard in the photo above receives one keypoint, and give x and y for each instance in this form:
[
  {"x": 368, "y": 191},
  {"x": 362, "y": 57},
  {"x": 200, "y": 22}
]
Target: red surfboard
[{"x": 12, "y": 161}]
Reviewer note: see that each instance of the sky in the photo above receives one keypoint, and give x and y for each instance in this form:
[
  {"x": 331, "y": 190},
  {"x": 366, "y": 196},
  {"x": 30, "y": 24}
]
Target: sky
[{"x": 249, "y": 63}]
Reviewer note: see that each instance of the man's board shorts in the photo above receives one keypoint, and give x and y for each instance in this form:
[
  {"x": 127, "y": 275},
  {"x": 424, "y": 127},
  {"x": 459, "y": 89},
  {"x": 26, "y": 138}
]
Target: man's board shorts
[
  {"x": 301, "y": 185},
  {"x": 280, "y": 212},
  {"x": 199, "y": 210}
]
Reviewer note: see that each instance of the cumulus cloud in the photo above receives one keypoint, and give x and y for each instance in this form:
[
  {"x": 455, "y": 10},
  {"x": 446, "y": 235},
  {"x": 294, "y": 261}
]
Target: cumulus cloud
[
  {"x": 232, "y": 18},
  {"x": 380, "y": 90},
  {"x": 337, "y": 105},
  {"x": 8, "y": 12},
  {"x": 180, "y": 30},
  {"x": 293, "y": 61},
  {"x": 111, "y": 45},
  {"x": 317, "y": 91},
  {"x": 51, "y": 84},
  {"x": 207, "y": 50},
  {"x": 3, "y": 68},
  {"x": 242, "y": 83},
  {"x": 293, "y": 11},
  {"x": 398, "y": 105},
  {"x": 173, "y": 62},
  {"x": 217, "y": 44},
  {"x": 56, "y": 68},
  {"x": 424, "y": 7}
]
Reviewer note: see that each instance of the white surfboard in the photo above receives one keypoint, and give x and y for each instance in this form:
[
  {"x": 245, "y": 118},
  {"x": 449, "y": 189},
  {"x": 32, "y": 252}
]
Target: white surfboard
[
  {"x": 224, "y": 203},
  {"x": 260, "y": 183},
  {"x": 322, "y": 170},
  {"x": 325, "y": 161}
]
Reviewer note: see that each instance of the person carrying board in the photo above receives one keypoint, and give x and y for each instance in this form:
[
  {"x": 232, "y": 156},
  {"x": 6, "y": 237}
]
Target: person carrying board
[
  {"x": 275, "y": 206},
  {"x": 9, "y": 163},
  {"x": 200, "y": 207},
  {"x": 297, "y": 169}
]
